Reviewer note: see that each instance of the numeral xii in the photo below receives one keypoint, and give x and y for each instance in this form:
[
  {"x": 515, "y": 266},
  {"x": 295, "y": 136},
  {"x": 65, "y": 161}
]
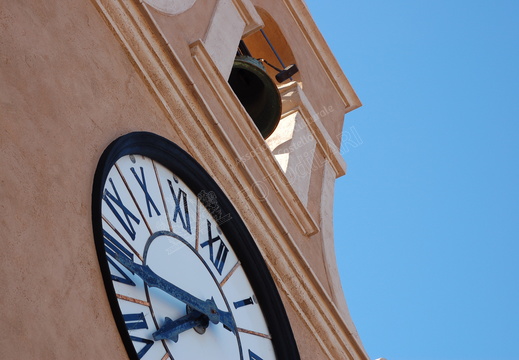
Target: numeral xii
[
  {"x": 181, "y": 207},
  {"x": 219, "y": 256}
]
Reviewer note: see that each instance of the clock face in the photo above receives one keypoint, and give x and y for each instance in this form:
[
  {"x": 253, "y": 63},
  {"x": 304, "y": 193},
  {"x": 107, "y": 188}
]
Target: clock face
[{"x": 184, "y": 276}]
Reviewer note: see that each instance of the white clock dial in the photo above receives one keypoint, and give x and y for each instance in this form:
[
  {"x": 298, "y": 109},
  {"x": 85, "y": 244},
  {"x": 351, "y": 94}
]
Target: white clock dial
[{"x": 159, "y": 237}]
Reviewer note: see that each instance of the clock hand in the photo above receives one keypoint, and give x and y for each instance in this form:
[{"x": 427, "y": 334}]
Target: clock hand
[
  {"x": 207, "y": 307},
  {"x": 171, "y": 329}
]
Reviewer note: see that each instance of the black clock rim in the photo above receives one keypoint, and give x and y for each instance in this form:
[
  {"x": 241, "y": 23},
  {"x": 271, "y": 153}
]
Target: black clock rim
[{"x": 197, "y": 179}]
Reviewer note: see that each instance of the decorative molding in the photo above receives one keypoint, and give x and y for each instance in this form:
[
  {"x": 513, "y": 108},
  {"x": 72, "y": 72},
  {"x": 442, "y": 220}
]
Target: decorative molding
[
  {"x": 171, "y": 7},
  {"x": 257, "y": 148},
  {"x": 230, "y": 22},
  {"x": 322, "y": 52},
  {"x": 249, "y": 14},
  {"x": 173, "y": 88},
  {"x": 294, "y": 99},
  {"x": 223, "y": 35},
  {"x": 293, "y": 145}
]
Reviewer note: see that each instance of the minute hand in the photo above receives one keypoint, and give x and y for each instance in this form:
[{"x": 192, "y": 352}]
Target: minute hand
[{"x": 207, "y": 307}]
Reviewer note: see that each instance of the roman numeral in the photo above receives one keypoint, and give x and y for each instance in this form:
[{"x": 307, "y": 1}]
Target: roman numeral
[
  {"x": 135, "y": 321},
  {"x": 184, "y": 216},
  {"x": 253, "y": 356},
  {"x": 116, "y": 250},
  {"x": 221, "y": 254},
  {"x": 142, "y": 183},
  {"x": 148, "y": 343},
  {"x": 111, "y": 201},
  {"x": 244, "y": 302}
]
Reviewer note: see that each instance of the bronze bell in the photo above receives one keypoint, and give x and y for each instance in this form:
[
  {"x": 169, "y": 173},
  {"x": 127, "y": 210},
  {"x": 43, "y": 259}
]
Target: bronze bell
[{"x": 257, "y": 92}]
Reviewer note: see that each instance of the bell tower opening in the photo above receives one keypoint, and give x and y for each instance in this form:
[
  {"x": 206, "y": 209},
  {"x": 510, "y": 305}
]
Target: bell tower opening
[{"x": 257, "y": 70}]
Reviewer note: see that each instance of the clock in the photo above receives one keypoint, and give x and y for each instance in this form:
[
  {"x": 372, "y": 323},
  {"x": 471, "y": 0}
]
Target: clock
[{"x": 184, "y": 277}]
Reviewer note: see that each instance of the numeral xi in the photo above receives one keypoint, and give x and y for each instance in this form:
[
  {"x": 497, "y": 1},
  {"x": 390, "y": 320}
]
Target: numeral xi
[{"x": 180, "y": 211}]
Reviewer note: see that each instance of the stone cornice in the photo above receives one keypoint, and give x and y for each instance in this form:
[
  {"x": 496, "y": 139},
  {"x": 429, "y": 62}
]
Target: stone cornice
[{"x": 172, "y": 86}]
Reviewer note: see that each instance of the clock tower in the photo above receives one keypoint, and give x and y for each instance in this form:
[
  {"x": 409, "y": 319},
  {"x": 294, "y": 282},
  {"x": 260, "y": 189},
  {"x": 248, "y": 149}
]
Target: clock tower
[{"x": 167, "y": 184}]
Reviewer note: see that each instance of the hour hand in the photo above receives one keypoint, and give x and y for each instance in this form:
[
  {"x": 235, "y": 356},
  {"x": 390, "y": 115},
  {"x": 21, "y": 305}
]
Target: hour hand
[{"x": 171, "y": 329}]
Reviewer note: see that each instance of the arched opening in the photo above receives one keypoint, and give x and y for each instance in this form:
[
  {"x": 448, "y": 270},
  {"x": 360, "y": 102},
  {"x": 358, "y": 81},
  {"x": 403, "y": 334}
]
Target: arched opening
[
  {"x": 263, "y": 62},
  {"x": 270, "y": 44}
]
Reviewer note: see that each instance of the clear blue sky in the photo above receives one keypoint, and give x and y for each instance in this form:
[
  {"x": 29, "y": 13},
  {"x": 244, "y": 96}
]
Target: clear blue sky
[{"x": 427, "y": 218}]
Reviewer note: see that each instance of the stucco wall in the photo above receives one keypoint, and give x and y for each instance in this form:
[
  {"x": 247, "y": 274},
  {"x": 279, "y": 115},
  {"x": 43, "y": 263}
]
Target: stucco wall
[
  {"x": 67, "y": 91},
  {"x": 68, "y": 88}
]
